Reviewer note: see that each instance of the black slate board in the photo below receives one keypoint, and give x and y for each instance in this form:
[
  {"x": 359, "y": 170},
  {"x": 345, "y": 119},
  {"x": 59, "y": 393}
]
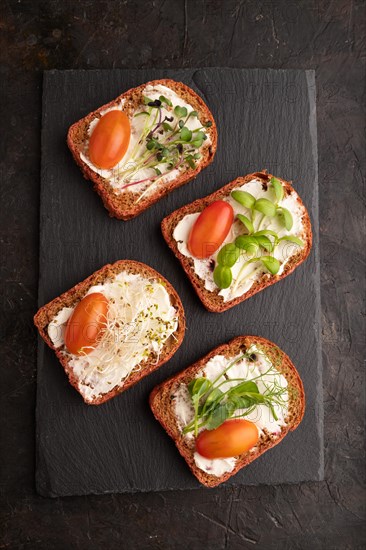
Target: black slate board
[{"x": 266, "y": 119}]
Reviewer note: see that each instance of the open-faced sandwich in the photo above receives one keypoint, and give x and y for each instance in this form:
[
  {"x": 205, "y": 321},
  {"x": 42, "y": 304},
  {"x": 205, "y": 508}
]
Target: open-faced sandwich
[
  {"x": 143, "y": 144},
  {"x": 113, "y": 328},
  {"x": 241, "y": 239},
  {"x": 230, "y": 407}
]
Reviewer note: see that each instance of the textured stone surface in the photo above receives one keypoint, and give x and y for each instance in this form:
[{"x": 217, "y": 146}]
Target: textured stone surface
[
  {"x": 327, "y": 36},
  {"x": 84, "y": 449}
]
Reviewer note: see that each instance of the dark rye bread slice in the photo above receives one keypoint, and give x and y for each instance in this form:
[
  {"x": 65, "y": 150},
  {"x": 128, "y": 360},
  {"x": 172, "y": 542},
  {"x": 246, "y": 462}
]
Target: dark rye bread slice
[
  {"x": 123, "y": 206},
  {"x": 161, "y": 403},
  {"x": 70, "y": 298},
  {"x": 211, "y": 299}
]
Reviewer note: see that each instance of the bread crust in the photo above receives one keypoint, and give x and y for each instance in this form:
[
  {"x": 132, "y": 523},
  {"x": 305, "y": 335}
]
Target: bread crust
[
  {"x": 160, "y": 403},
  {"x": 211, "y": 299},
  {"x": 120, "y": 206},
  {"x": 69, "y": 298}
]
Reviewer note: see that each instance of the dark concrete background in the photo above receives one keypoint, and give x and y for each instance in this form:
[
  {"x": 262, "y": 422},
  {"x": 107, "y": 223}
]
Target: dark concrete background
[{"x": 325, "y": 35}]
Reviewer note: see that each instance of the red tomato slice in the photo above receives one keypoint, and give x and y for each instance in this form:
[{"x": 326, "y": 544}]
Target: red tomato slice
[
  {"x": 86, "y": 323},
  {"x": 109, "y": 140},
  {"x": 210, "y": 229},
  {"x": 232, "y": 438}
]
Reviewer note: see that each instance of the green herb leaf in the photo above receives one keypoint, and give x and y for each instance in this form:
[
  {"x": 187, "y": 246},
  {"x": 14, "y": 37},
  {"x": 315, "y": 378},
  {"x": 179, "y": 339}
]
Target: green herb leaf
[
  {"x": 185, "y": 134},
  {"x": 152, "y": 144},
  {"x": 278, "y": 189},
  {"x": 193, "y": 113},
  {"x": 266, "y": 207},
  {"x": 271, "y": 264},
  {"x": 265, "y": 232},
  {"x": 199, "y": 135},
  {"x": 146, "y": 100},
  {"x": 181, "y": 123},
  {"x": 157, "y": 171},
  {"x": 141, "y": 113},
  {"x": 241, "y": 402},
  {"x": 292, "y": 239},
  {"x": 215, "y": 395},
  {"x": 196, "y": 143},
  {"x": 156, "y": 103},
  {"x": 250, "y": 243},
  {"x": 245, "y": 387},
  {"x": 208, "y": 124},
  {"x": 219, "y": 415},
  {"x": 247, "y": 243},
  {"x": 285, "y": 217},
  {"x": 222, "y": 276},
  {"x": 264, "y": 242},
  {"x": 164, "y": 99},
  {"x": 197, "y": 389},
  {"x": 246, "y": 221},
  {"x": 243, "y": 198},
  {"x": 190, "y": 162},
  {"x": 199, "y": 386},
  {"x": 180, "y": 112},
  {"x": 167, "y": 127},
  {"x": 228, "y": 255}
]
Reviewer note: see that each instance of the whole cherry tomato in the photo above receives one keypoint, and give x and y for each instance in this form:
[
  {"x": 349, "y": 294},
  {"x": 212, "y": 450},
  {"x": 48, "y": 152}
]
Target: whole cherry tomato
[
  {"x": 232, "y": 438},
  {"x": 109, "y": 140},
  {"x": 210, "y": 229},
  {"x": 86, "y": 324}
]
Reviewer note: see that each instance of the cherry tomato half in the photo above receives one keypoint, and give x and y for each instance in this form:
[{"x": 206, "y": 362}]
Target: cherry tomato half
[
  {"x": 109, "y": 140},
  {"x": 232, "y": 438},
  {"x": 86, "y": 323},
  {"x": 210, "y": 229}
]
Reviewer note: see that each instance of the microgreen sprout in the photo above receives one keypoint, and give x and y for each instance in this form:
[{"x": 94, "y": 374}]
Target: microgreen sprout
[
  {"x": 255, "y": 241},
  {"x": 165, "y": 144},
  {"x": 214, "y": 402}
]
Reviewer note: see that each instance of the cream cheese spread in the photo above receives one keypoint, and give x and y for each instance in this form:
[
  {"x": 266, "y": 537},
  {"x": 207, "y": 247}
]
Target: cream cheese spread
[
  {"x": 118, "y": 175},
  {"x": 266, "y": 377},
  {"x": 254, "y": 271},
  {"x": 140, "y": 320}
]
